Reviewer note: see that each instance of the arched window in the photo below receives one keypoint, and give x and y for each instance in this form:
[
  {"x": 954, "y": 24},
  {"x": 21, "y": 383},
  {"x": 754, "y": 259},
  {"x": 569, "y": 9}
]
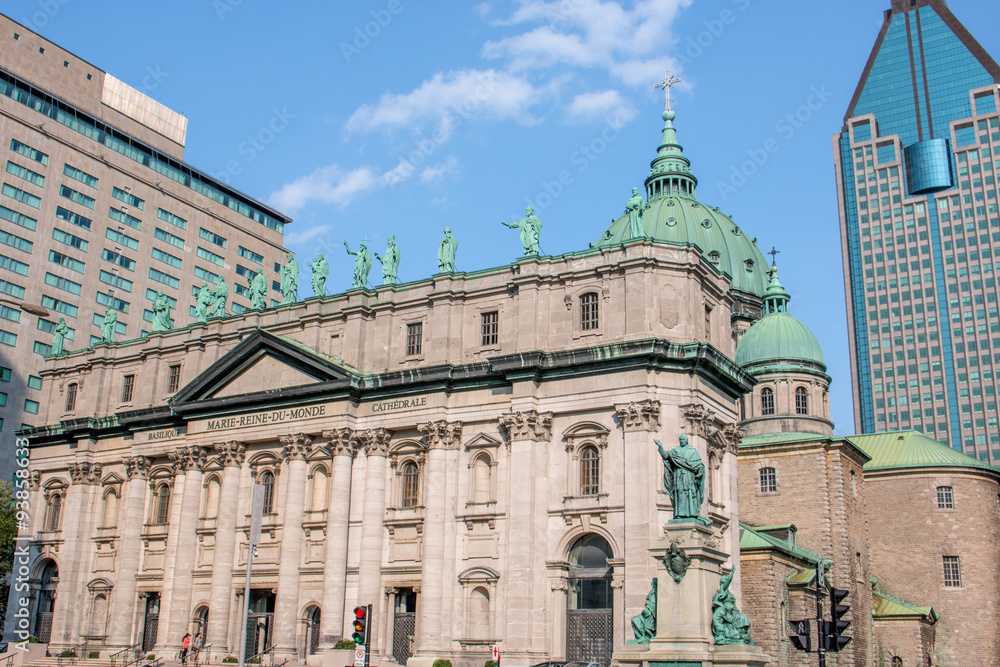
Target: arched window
[
  {"x": 162, "y": 504},
  {"x": 589, "y": 575},
  {"x": 411, "y": 484},
  {"x": 767, "y": 401},
  {"x": 71, "y": 396},
  {"x": 212, "y": 491},
  {"x": 313, "y": 618},
  {"x": 768, "y": 480},
  {"x": 482, "y": 482},
  {"x": 479, "y": 613},
  {"x": 267, "y": 481},
  {"x": 53, "y": 512},
  {"x": 110, "y": 508},
  {"x": 319, "y": 489},
  {"x": 590, "y": 469},
  {"x": 801, "y": 401},
  {"x": 589, "y": 316}
]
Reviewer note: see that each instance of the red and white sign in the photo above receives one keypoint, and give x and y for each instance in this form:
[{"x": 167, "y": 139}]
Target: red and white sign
[
  {"x": 496, "y": 653},
  {"x": 359, "y": 656}
]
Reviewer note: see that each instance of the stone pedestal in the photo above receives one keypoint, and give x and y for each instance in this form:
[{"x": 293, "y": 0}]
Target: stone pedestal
[{"x": 684, "y": 609}]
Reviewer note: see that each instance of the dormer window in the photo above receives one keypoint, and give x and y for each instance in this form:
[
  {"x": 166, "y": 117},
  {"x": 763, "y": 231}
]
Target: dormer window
[{"x": 713, "y": 257}]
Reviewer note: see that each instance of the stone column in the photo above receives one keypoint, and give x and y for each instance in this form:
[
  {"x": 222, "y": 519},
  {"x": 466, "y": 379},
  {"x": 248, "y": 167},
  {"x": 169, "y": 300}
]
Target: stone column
[
  {"x": 191, "y": 460},
  {"x": 75, "y": 527},
  {"x": 342, "y": 446},
  {"x": 524, "y": 639},
  {"x": 293, "y": 449},
  {"x": 438, "y": 437},
  {"x": 164, "y": 632},
  {"x": 376, "y": 444},
  {"x": 129, "y": 547},
  {"x": 642, "y": 470},
  {"x": 231, "y": 456}
]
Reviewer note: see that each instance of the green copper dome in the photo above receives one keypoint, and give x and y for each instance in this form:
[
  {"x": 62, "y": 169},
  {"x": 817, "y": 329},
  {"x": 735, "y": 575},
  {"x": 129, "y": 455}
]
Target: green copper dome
[
  {"x": 671, "y": 214},
  {"x": 777, "y": 336}
]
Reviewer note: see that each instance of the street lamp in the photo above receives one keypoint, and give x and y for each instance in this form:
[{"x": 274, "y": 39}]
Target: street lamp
[{"x": 27, "y": 307}]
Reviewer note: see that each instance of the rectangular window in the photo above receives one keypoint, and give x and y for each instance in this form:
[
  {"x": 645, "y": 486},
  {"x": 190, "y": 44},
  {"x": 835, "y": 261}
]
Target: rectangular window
[
  {"x": 120, "y": 327},
  {"x": 127, "y": 383},
  {"x": 952, "y": 572},
  {"x": 3, "y": 399},
  {"x": 72, "y": 218},
  {"x": 18, "y": 218},
  {"x": 76, "y": 197},
  {"x": 172, "y": 219},
  {"x": 164, "y": 278},
  {"x": 209, "y": 256},
  {"x": 70, "y": 240},
  {"x": 128, "y": 198},
  {"x": 768, "y": 480},
  {"x": 212, "y": 238},
  {"x": 945, "y": 498},
  {"x": 41, "y": 348},
  {"x": 63, "y": 283},
  {"x": 30, "y": 406},
  {"x": 119, "y": 259},
  {"x": 16, "y": 242},
  {"x": 13, "y": 265},
  {"x": 59, "y": 306},
  {"x": 490, "y": 328},
  {"x": 4, "y": 374},
  {"x": 414, "y": 338},
  {"x": 34, "y": 382},
  {"x": 8, "y": 338},
  {"x": 151, "y": 297},
  {"x": 21, "y": 196},
  {"x": 29, "y": 152},
  {"x": 112, "y": 302},
  {"x": 166, "y": 258},
  {"x": 174, "y": 379},
  {"x": 205, "y": 275},
  {"x": 49, "y": 326},
  {"x": 11, "y": 314},
  {"x": 81, "y": 176},
  {"x": 167, "y": 237},
  {"x": 589, "y": 320},
  {"x": 66, "y": 261},
  {"x": 122, "y": 239},
  {"x": 32, "y": 177},
  {"x": 115, "y": 281},
  {"x": 124, "y": 218},
  {"x": 11, "y": 289},
  {"x": 251, "y": 255}
]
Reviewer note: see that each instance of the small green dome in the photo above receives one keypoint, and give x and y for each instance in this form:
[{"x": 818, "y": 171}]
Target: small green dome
[
  {"x": 777, "y": 336},
  {"x": 671, "y": 214}
]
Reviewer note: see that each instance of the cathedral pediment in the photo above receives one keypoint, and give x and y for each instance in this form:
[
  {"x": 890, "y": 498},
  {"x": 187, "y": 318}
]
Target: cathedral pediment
[{"x": 263, "y": 365}]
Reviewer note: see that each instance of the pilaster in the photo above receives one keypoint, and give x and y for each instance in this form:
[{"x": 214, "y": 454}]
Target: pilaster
[
  {"x": 124, "y": 599},
  {"x": 376, "y": 445},
  {"x": 343, "y": 446},
  {"x": 231, "y": 455},
  {"x": 188, "y": 461},
  {"x": 76, "y": 529},
  {"x": 293, "y": 450}
]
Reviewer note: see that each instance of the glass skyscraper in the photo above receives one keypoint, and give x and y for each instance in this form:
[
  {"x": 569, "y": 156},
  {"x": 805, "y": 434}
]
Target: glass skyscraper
[{"x": 918, "y": 160}]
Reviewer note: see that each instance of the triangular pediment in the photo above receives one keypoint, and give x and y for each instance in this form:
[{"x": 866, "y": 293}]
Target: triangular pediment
[{"x": 262, "y": 365}]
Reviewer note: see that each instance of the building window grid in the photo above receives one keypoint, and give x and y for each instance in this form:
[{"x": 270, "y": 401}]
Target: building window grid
[
  {"x": 589, "y": 314},
  {"x": 174, "y": 380},
  {"x": 490, "y": 327},
  {"x": 768, "y": 480},
  {"x": 801, "y": 401},
  {"x": 71, "y": 390},
  {"x": 767, "y": 401},
  {"x": 411, "y": 485},
  {"x": 414, "y": 338},
  {"x": 590, "y": 469},
  {"x": 952, "y": 572},
  {"x": 128, "y": 383}
]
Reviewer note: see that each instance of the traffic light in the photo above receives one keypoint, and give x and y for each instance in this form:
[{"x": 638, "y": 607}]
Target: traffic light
[
  {"x": 360, "y": 635},
  {"x": 838, "y": 626},
  {"x": 800, "y": 636}
]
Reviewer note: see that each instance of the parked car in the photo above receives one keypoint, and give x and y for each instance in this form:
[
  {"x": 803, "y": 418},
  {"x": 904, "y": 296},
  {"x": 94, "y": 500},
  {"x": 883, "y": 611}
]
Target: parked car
[
  {"x": 583, "y": 663},
  {"x": 551, "y": 663}
]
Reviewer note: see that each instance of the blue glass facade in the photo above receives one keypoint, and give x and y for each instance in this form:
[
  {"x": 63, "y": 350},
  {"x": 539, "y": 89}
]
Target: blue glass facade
[{"x": 928, "y": 166}]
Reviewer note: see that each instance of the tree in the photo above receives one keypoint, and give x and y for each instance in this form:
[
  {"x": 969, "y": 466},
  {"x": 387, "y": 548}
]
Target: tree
[{"x": 8, "y": 534}]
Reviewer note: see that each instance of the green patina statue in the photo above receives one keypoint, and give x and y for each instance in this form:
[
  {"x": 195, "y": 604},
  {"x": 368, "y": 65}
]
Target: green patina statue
[
  {"x": 219, "y": 297},
  {"x": 531, "y": 231},
  {"x": 321, "y": 269},
  {"x": 362, "y": 265},
  {"x": 161, "y": 314},
  {"x": 729, "y": 626},
  {"x": 108, "y": 327},
  {"x": 390, "y": 262},
  {"x": 633, "y": 208},
  {"x": 59, "y": 336},
  {"x": 684, "y": 480},
  {"x": 203, "y": 303},
  {"x": 258, "y": 291},
  {"x": 446, "y": 252},
  {"x": 290, "y": 280},
  {"x": 644, "y": 625}
]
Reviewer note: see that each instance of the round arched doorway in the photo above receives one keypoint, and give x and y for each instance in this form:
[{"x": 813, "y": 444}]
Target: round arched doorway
[
  {"x": 312, "y": 620},
  {"x": 589, "y": 616},
  {"x": 48, "y": 582}
]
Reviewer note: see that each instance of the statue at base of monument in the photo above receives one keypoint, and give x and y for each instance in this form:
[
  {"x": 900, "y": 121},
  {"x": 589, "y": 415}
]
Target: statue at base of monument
[
  {"x": 729, "y": 625},
  {"x": 684, "y": 480},
  {"x": 644, "y": 625}
]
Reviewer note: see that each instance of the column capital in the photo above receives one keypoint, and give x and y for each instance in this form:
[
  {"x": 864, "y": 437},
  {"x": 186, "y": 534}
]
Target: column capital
[
  {"x": 441, "y": 434},
  {"x": 639, "y": 415},
  {"x": 389, "y": 590},
  {"x": 375, "y": 441},
  {"x": 704, "y": 422},
  {"x": 529, "y": 425},
  {"x": 137, "y": 467},
  {"x": 342, "y": 442},
  {"x": 188, "y": 458},
  {"x": 232, "y": 453},
  {"x": 85, "y": 472},
  {"x": 295, "y": 446}
]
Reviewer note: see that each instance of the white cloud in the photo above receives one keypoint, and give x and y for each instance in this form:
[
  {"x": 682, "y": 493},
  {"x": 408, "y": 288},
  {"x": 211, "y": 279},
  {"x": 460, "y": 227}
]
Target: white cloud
[
  {"x": 449, "y": 98},
  {"x": 301, "y": 234},
  {"x": 329, "y": 185},
  {"x": 606, "y": 104},
  {"x": 437, "y": 173}
]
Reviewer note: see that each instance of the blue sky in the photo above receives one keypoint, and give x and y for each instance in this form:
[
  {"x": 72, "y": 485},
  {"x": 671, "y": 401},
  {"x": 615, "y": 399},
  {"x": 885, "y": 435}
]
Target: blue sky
[{"x": 368, "y": 118}]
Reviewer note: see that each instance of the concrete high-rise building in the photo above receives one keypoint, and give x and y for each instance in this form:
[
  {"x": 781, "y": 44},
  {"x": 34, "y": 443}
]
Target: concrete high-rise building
[
  {"x": 98, "y": 210},
  {"x": 917, "y": 164}
]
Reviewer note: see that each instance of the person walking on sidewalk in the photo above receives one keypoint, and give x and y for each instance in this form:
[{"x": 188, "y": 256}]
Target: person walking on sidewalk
[{"x": 185, "y": 645}]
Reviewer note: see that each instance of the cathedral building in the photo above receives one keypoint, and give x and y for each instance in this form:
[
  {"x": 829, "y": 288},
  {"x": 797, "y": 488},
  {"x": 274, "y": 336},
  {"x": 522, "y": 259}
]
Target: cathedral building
[{"x": 474, "y": 455}]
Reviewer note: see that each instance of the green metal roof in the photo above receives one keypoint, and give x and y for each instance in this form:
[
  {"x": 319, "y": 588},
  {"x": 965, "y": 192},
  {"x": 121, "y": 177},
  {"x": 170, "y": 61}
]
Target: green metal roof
[
  {"x": 752, "y": 539},
  {"x": 887, "y": 606},
  {"x": 780, "y": 438},
  {"x": 911, "y": 449},
  {"x": 777, "y": 336}
]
